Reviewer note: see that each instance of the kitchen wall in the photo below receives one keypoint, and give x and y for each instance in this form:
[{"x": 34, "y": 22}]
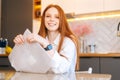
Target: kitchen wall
[{"x": 104, "y": 34}]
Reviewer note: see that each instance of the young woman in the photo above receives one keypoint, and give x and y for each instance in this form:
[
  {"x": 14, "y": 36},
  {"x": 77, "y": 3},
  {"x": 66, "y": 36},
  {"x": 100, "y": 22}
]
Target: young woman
[{"x": 56, "y": 38}]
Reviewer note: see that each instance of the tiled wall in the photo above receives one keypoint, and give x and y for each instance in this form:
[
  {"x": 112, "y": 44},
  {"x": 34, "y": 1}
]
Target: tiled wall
[{"x": 104, "y": 34}]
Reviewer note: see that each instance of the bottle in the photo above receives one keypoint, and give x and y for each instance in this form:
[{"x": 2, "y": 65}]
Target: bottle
[
  {"x": 3, "y": 43},
  {"x": 91, "y": 48}
]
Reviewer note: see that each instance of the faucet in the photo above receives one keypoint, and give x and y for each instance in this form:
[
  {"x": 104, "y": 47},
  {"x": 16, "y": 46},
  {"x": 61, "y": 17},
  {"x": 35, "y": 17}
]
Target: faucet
[{"x": 118, "y": 30}]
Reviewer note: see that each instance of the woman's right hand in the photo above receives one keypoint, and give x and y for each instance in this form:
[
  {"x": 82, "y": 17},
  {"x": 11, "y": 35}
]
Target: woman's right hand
[{"x": 19, "y": 39}]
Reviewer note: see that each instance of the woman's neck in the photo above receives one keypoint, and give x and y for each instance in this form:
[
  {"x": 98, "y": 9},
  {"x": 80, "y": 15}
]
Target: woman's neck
[{"x": 52, "y": 36}]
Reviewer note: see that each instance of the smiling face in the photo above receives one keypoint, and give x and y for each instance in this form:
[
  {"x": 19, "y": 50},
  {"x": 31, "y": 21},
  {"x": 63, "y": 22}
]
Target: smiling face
[{"x": 52, "y": 19}]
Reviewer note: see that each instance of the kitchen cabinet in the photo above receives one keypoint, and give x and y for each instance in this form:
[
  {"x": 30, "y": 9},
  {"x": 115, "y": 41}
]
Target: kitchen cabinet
[
  {"x": 76, "y": 6},
  {"x": 87, "y": 62},
  {"x": 4, "y": 63},
  {"x": 67, "y": 5},
  {"x": 88, "y": 6},
  {"x": 16, "y": 17},
  {"x": 101, "y": 63},
  {"x": 111, "y": 66},
  {"x": 92, "y": 6},
  {"x": 0, "y": 16},
  {"x": 84, "y": 6},
  {"x": 111, "y": 5}
]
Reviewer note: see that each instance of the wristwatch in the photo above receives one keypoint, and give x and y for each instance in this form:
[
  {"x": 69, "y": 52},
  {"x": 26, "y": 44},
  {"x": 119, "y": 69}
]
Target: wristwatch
[{"x": 49, "y": 47}]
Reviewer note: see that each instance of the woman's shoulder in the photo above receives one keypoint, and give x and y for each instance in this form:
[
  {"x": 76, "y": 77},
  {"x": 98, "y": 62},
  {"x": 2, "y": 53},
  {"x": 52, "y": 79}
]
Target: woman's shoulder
[{"x": 68, "y": 41}]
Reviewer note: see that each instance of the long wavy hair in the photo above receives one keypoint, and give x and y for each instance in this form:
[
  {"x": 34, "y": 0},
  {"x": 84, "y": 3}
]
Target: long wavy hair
[{"x": 64, "y": 28}]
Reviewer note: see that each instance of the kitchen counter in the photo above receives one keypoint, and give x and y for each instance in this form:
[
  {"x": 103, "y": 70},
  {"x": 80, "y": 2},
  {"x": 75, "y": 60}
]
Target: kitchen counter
[
  {"x": 99, "y": 55},
  {"x": 12, "y": 75},
  {"x": 3, "y": 55},
  {"x": 88, "y": 55}
]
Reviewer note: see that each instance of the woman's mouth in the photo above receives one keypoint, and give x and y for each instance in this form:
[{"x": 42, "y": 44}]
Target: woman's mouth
[{"x": 51, "y": 24}]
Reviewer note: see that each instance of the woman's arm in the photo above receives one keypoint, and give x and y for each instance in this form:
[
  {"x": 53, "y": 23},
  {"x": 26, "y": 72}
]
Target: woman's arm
[
  {"x": 33, "y": 38},
  {"x": 64, "y": 61}
]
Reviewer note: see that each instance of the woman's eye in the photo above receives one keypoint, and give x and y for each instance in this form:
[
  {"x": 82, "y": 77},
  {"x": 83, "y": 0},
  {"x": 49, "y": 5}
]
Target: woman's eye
[
  {"x": 47, "y": 15},
  {"x": 57, "y": 17}
]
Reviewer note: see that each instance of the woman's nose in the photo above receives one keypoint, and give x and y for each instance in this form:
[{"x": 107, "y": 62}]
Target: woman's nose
[{"x": 52, "y": 18}]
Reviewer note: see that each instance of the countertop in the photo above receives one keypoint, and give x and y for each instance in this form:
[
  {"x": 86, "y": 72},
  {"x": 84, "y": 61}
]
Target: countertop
[
  {"x": 12, "y": 75},
  {"x": 99, "y": 55},
  {"x": 3, "y": 54},
  {"x": 88, "y": 55}
]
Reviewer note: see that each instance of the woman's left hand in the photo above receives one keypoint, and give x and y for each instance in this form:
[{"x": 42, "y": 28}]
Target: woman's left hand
[
  {"x": 36, "y": 38},
  {"x": 33, "y": 38}
]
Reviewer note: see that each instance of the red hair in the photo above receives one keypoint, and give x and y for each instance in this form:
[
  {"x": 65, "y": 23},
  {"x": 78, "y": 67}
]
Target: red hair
[{"x": 64, "y": 28}]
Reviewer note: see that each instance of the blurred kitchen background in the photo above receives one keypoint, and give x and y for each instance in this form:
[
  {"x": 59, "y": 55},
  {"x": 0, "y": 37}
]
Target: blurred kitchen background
[{"x": 103, "y": 17}]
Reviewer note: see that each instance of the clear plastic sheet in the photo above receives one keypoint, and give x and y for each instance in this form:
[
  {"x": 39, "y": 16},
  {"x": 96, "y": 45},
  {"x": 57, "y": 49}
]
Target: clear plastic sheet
[{"x": 30, "y": 57}]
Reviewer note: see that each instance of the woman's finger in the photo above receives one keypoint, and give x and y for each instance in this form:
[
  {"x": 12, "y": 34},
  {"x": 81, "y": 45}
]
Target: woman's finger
[{"x": 19, "y": 39}]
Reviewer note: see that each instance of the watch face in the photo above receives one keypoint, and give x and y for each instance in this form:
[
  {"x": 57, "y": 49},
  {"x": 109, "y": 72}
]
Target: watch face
[{"x": 49, "y": 47}]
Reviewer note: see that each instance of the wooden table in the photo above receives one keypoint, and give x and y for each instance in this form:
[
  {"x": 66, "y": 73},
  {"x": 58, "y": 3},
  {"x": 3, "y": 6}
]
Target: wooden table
[{"x": 12, "y": 75}]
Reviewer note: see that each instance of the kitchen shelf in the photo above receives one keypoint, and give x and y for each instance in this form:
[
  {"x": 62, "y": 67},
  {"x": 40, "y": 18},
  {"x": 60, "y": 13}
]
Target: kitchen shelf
[
  {"x": 99, "y": 55},
  {"x": 3, "y": 55},
  {"x": 90, "y": 55}
]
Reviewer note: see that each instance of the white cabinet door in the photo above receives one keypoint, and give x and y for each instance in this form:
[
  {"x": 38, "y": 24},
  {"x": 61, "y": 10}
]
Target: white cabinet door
[
  {"x": 84, "y": 6},
  {"x": 76, "y": 6},
  {"x": 110, "y": 5},
  {"x": 88, "y": 6},
  {"x": 67, "y": 5}
]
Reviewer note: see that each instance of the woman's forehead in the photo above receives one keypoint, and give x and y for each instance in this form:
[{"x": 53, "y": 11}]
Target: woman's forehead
[{"x": 52, "y": 10}]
